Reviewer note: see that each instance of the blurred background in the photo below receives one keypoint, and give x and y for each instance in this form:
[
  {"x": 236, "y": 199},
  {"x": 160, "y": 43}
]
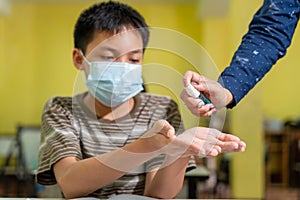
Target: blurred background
[{"x": 36, "y": 42}]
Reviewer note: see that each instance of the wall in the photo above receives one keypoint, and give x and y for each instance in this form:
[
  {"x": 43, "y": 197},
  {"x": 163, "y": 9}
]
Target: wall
[
  {"x": 36, "y": 44},
  {"x": 35, "y": 64},
  {"x": 222, "y": 36},
  {"x": 274, "y": 97},
  {"x": 17, "y": 68},
  {"x": 247, "y": 123},
  {"x": 280, "y": 93}
]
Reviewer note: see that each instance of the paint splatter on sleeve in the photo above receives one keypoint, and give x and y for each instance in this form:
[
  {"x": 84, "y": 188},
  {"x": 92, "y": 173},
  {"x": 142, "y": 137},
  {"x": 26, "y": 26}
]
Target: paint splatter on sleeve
[{"x": 270, "y": 33}]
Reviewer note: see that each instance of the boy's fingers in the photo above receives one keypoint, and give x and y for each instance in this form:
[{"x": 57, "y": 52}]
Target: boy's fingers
[
  {"x": 163, "y": 127},
  {"x": 228, "y": 137}
]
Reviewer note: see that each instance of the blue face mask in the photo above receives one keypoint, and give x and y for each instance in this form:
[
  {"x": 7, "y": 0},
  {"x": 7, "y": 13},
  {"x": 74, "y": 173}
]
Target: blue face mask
[{"x": 113, "y": 83}]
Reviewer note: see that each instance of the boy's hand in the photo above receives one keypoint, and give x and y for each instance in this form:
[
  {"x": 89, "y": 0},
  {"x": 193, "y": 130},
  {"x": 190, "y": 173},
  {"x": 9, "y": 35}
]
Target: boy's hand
[
  {"x": 163, "y": 127},
  {"x": 200, "y": 141},
  {"x": 204, "y": 142},
  {"x": 160, "y": 134},
  {"x": 218, "y": 95}
]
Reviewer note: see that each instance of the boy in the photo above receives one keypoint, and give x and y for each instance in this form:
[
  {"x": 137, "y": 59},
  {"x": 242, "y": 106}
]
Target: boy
[{"x": 114, "y": 139}]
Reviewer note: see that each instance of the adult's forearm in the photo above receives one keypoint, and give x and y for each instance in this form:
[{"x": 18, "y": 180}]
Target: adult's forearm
[{"x": 270, "y": 34}]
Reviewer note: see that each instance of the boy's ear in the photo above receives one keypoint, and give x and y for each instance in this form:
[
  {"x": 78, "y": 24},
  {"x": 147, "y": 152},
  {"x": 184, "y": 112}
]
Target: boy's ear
[{"x": 77, "y": 59}]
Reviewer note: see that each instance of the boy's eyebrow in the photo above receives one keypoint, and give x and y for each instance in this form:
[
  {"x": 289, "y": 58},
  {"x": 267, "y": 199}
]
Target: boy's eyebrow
[
  {"x": 137, "y": 51},
  {"x": 116, "y": 51},
  {"x": 108, "y": 48}
]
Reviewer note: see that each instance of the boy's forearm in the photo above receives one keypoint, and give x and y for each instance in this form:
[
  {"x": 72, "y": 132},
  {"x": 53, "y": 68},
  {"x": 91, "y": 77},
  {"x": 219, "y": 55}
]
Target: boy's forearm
[
  {"x": 129, "y": 156},
  {"x": 85, "y": 176},
  {"x": 168, "y": 180}
]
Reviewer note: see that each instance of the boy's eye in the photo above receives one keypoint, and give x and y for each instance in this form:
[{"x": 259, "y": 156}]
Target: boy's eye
[
  {"x": 135, "y": 60},
  {"x": 107, "y": 57}
]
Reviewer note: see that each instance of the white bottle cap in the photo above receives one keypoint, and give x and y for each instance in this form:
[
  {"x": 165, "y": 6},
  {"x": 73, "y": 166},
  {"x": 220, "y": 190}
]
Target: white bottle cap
[{"x": 193, "y": 92}]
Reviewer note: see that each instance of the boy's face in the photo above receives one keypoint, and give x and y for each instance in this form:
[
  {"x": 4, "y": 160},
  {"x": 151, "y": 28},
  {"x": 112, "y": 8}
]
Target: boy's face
[{"x": 126, "y": 46}]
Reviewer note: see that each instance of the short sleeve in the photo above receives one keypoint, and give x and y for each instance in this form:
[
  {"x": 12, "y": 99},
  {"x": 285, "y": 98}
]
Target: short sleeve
[{"x": 59, "y": 138}]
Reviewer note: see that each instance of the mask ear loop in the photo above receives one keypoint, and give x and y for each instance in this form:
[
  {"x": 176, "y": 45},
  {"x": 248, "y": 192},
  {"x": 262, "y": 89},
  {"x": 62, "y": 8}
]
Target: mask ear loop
[{"x": 84, "y": 58}]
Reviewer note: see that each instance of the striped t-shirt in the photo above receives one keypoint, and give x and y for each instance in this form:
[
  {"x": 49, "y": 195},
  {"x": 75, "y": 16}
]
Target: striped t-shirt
[{"x": 69, "y": 128}]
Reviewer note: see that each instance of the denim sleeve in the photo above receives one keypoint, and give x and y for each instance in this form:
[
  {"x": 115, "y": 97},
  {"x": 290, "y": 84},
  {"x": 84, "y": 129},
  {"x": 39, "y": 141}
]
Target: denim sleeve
[{"x": 269, "y": 35}]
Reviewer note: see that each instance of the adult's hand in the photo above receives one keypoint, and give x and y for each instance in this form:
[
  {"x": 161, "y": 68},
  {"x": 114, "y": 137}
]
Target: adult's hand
[{"x": 218, "y": 95}]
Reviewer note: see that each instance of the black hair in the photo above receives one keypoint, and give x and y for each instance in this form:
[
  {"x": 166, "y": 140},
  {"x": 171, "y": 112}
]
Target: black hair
[{"x": 110, "y": 17}]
